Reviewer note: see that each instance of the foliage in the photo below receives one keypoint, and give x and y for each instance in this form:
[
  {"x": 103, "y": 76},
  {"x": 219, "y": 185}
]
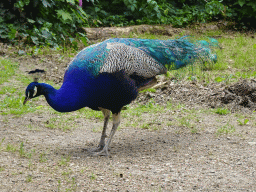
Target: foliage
[
  {"x": 243, "y": 11},
  {"x": 40, "y": 22},
  {"x": 58, "y": 22},
  {"x": 129, "y": 12},
  {"x": 177, "y": 13}
]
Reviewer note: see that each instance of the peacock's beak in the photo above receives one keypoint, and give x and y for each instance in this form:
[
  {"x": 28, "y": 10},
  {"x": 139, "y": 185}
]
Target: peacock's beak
[{"x": 25, "y": 100}]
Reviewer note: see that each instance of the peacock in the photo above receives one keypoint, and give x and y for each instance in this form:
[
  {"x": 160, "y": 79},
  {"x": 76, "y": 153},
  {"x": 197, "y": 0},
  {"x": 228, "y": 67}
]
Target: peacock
[{"x": 109, "y": 75}]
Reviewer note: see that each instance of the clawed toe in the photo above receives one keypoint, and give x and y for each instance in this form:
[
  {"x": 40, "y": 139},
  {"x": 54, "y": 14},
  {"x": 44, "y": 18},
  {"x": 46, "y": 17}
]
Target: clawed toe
[
  {"x": 103, "y": 152},
  {"x": 98, "y": 149}
]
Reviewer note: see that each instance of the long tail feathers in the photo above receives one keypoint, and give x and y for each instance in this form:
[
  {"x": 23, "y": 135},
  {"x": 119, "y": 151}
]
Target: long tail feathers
[
  {"x": 181, "y": 52},
  {"x": 176, "y": 53}
]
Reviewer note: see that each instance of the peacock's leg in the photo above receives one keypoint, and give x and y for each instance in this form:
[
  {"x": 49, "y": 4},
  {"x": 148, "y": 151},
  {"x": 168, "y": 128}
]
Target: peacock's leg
[
  {"x": 116, "y": 122},
  {"x": 106, "y": 114}
]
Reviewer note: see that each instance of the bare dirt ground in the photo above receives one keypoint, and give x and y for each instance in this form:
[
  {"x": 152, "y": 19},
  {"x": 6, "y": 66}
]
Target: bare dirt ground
[{"x": 171, "y": 158}]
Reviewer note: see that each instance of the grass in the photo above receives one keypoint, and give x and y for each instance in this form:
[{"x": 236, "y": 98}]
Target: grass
[
  {"x": 2, "y": 169},
  {"x": 7, "y": 69},
  {"x": 89, "y": 113},
  {"x": 1, "y": 142},
  {"x": 12, "y": 86},
  {"x": 42, "y": 157},
  {"x": 221, "y": 111},
  {"x": 242, "y": 122},
  {"x": 22, "y": 151},
  {"x": 152, "y": 90},
  {"x": 11, "y": 95},
  {"x": 64, "y": 161},
  {"x": 93, "y": 176},
  {"x": 185, "y": 122},
  {"x": 60, "y": 122},
  {"x": 226, "y": 129},
  {"x": 11, "y": 148},
  {"x": 29, "y": 178}
]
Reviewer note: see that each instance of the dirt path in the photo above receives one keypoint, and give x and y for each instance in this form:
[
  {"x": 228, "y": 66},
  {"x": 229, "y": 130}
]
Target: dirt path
[{"x": 141, "y": 160}]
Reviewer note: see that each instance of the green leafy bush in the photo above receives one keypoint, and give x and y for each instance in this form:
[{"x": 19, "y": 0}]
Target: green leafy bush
[
  {"x": 177, "y": 13},
  {"x": 55, "y": 22},
  {"x": 243, "y": 11},
  {"x": 40, "y": 22}
]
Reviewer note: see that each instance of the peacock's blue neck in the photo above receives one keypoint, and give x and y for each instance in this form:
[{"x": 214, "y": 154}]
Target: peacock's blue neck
[{"x": 66, "y": 99}]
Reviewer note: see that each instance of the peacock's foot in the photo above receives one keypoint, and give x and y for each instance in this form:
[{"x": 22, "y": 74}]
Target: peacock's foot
[
  {"x": 97, "y": 149},
  {"x": 103, "y": 152}
]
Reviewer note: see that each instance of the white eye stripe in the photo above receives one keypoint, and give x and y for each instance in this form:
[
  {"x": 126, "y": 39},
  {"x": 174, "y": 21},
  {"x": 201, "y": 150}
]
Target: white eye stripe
[{"x": 35, "y": 92}]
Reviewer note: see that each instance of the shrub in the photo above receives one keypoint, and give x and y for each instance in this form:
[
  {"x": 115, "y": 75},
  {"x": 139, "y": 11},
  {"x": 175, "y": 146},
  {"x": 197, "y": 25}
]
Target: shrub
[{"x": 40, "y": 22}]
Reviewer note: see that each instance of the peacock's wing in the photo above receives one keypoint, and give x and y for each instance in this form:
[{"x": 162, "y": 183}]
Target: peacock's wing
[
  {"x": 131, "y": 60},
  {"x": 111, "y": 57}
]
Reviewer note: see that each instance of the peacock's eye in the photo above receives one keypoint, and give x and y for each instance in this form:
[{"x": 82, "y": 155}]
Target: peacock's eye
[{"x": 35, "y": 92}]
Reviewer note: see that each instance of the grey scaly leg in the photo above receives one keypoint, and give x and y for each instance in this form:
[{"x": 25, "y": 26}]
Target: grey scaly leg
[
  {"x": 106, "y": 114},
  {"x": 116, "y": 122}
]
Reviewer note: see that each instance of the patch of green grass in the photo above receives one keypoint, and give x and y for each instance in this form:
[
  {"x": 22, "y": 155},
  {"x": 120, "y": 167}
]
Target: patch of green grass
[
  {"x": 29, "y": 178},
  {"x": 11, "y": 101},
  {"x": 169, "y": 105},
  {"x": 66, "y": 173},
  {"x": 2, "y": 169},
  {"x": 51, "y": 123},
  {"x": 82, "y": 170},
  {"x": 64, "y": 161},
  {"x": 59, "y": 185},
  {"x": 32, "y": 127},
  {"x": 179, "y": 106},
  {"x": 30, "y": 165},
  {"x": 7, "y": 70},
  {"x": 24, "y": 79},
  {"x": 93, "y": 176},
  {"x": 14, "y": 105},
  {"x": 185, "y": 122},
  {"x": 1, "y": 142},
  {"x": 42, "y": 157},
  {"x": 145, "y": 125},
  {"x": 23, "y": 153},
  {"x": 221, "y": 111},
  {"x": 21, "y": 150},
  {"x": 242, "y": 52},
  {"x": 7, "y": 90},
  {"x": 194, "y": 130},
  {"x": 242, "y": 122},
  {"x": 151, "y": 90},
  {"x": 149, "y": 107},
  {"x": 12, "y": 98},
  {"x": 12, "y": 93},
  {"x": 136, "y": 111},
  {"x": 226, "y": 129},
  {"x": 62, "y": 122},
  {"x": 89, "y": 113},
  {"x": 11, "y": 147}
]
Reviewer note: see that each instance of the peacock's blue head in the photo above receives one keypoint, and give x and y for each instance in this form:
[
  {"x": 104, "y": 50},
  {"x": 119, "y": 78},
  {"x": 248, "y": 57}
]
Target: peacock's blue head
[{"x": 33, "y": 90}]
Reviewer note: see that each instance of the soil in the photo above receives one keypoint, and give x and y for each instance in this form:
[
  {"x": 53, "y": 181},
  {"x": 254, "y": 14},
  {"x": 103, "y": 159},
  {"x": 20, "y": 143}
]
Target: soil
[{"x": 171, "y": 158}]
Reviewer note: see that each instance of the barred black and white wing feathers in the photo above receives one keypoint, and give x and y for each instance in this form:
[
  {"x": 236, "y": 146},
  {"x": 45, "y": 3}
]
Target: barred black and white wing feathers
[{"x": 131, "y": 60}]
